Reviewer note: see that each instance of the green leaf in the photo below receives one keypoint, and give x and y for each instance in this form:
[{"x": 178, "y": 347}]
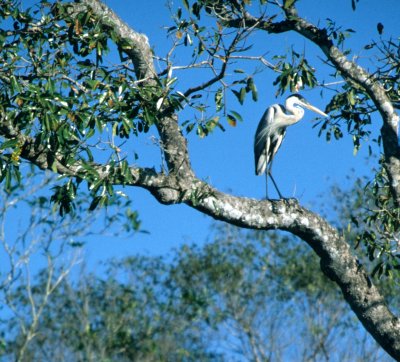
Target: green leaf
[
  {"x": 242, "y": 95},
  {"x": 212, "y": 123},
  {"x": 190, "y": 127},
  {"x": 378, "y": 269},
  {"x": 231, "y": 120},
  {"x": 15, "y": 86},
  {"x": 133, "y": 220},
  {"x": 95, "y": 202},
  {"x": 103, "y": 97},
  {"x": 237, "y": 116},
  {"x": 8, "y": 179},
  {"x": 350, "y": 98},
  {"x": 9, "y": 144},
  {"x": 254, "y": 92},
  {"x": 201, "y": 131},
  {"x": 219, "y": 99},
  {"x": 288, "y": 3},
  {"x": 186, "y": 4}
]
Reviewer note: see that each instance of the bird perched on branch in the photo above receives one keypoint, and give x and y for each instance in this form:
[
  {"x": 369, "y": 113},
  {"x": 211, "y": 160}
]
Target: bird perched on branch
[{"x": 272, "y": 129}]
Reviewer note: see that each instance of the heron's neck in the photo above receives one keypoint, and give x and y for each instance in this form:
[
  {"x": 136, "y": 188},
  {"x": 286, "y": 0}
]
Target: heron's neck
[{"x": 296, "y": 112}]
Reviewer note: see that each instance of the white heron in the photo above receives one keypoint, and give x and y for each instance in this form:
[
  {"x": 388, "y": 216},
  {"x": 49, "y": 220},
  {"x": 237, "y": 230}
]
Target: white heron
[{"x": 272, "y": 129}]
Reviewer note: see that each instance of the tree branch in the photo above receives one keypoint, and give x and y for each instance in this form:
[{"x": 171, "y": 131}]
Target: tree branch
[
  {"x": 137, "y": 47},
  {"x": 372, "y": 86},
  {"x": 336, "y": 259},
  {"x": 349, "y": 70},
  {"x": 133, "y": 44}
]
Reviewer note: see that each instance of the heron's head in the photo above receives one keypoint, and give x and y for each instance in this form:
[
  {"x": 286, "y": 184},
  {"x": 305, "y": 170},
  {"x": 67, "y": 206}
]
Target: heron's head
[{"x": 297, "y": 99}]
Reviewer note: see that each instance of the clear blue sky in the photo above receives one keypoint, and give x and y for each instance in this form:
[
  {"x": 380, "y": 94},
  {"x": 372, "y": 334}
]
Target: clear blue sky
[{"x": 305, "y": 166}]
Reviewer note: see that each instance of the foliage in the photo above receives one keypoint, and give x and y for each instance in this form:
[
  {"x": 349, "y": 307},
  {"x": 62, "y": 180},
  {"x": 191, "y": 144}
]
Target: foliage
[
  {"x": 240, "y": 296},
  {"x": 370, "y": 222},
  {"x": 54, "y": 87},
  {"x": 106, "y": 319}
]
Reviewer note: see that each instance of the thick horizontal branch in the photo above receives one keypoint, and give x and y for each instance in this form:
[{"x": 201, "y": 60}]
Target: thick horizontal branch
[{"x": 336, "y": 259}]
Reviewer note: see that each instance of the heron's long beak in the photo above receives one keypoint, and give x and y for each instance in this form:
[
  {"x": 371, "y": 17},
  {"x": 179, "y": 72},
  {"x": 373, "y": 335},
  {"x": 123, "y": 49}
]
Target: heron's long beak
[{"x": 315, "y": 109}]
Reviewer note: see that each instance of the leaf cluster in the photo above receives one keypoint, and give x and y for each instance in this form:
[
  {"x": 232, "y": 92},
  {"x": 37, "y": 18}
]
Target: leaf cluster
[
  {"x": 370, "y": 222},
  {"x": 381, "y": 236},
  {"x": 214, "y": 48},
  {"x": 55, "y": 89},
  {"x": 388, "y": 66},
  {"x": 351, "y": 109},
  {"x": 338, "y": 35},
  {"x": 294, "y": 75}
]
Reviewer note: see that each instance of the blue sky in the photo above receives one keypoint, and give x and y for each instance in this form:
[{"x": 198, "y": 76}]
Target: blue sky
[{"x": 305, "y": 166}]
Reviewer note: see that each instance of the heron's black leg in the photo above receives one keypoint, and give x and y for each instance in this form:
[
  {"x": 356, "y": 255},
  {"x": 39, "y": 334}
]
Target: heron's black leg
[
  {"x": 266, "y": 185},
  {"x": 269, "y": 172},
  {"x": 275, "y": 185}
]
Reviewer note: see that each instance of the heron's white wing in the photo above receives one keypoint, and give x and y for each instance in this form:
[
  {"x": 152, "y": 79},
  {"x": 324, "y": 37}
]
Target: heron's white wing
[
  {"x": 262, "y": 141},
  {"x": 275, "y": 142}
]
